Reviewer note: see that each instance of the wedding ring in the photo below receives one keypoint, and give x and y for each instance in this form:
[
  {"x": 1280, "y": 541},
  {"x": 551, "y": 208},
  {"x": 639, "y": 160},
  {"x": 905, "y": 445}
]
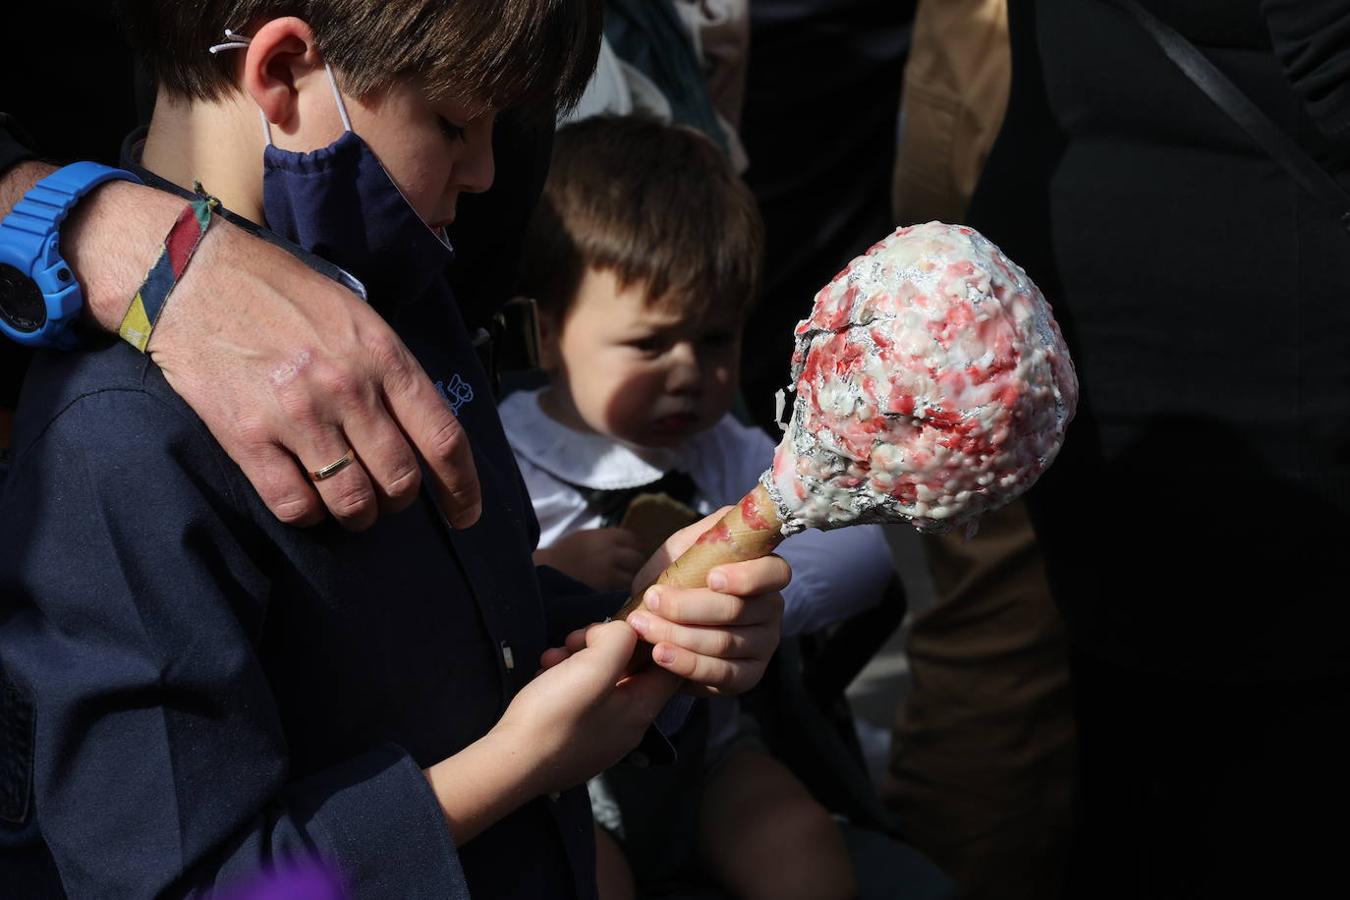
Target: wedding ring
[{"x": 332, "y": 468}]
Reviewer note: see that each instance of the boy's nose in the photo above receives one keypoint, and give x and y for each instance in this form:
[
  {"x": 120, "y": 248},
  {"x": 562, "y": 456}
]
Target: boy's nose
[
  {"x": 477, "y": 168},
  {"x": 684, "y": 376}
]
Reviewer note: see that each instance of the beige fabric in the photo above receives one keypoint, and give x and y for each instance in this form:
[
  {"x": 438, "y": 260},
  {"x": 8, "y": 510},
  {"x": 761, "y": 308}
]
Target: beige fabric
[
  {"x": 982, "y": 764},
  {"x": 721, "y": 33},
  {"x": 720, "y": 30},
  {"x": 952, "y": 103},
  {"x": 983, "y": 757}
]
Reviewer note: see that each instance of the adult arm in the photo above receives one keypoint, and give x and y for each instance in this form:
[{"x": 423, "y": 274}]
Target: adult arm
[
  {"x": 284, "y": 366},
  {"x": 1311, "y": 38}
]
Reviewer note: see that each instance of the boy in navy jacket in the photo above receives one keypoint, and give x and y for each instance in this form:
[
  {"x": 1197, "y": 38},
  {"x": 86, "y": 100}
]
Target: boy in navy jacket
[{"x": 214, "y": 692}]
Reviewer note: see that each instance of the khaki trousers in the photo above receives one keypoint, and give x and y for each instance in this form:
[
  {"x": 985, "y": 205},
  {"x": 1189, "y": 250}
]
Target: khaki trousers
[{"x": 982, "y": 763}]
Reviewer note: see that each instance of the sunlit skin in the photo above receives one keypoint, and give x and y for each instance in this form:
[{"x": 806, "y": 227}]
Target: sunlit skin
[
  {"x": 588, "y": 709},
  {"x": 643, "y": 375},
  {"x": 433, "y": 151}
]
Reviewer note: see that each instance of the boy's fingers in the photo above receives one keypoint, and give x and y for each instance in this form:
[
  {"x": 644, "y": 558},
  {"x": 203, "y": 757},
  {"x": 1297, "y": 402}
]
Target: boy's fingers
[
  {"x": 755, "y": 576},
  {"x": 628, "y": 561},
  {"x": 576, "y": 641},
  {"x": 622, "y": 537},
  {"x": 648, "y": 691},
  {"x": 721, "y": 675},
  {"x": 725, "y": 643},
  {"x": 552, "y": 656},
  {"x": 701, "y": 606},
  {"x": 438, "y": 436},
  {"x": 608, "y": 649}
]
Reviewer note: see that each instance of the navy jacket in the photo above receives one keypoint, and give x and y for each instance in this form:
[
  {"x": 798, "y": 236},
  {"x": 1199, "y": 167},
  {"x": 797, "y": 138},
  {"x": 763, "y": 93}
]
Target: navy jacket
[{"x": 213, "y": 689}]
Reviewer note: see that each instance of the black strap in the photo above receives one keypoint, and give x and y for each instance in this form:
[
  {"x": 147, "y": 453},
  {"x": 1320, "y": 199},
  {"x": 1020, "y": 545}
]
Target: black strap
[{"x": 1228, "y": 97}]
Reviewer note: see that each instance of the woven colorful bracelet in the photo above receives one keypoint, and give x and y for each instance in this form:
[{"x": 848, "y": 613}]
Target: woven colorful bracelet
[{"x": 179, "y": 245}]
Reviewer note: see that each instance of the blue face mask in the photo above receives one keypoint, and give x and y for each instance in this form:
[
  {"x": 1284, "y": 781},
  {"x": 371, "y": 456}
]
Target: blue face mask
[{"x": 340, "y": 204}]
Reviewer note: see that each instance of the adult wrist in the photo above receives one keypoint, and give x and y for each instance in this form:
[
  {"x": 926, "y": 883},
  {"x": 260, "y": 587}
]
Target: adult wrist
[{"x": 111, "y": 239}]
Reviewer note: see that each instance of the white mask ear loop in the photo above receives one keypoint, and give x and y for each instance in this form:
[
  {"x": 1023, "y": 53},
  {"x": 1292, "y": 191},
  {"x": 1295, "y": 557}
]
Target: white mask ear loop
[
  {"x": 234, "y": 41},
  {"x": 337, "y": 97}
]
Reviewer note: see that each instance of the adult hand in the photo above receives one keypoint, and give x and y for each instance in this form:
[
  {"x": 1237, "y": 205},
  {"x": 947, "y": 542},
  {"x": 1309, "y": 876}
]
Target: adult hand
[
  {"x": 603, "y": 558},
  {"x": 286, "y": 368}
]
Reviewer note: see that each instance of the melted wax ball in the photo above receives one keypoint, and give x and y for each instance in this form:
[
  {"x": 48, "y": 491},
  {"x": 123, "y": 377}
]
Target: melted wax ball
[{"x": 932, "y": 385}]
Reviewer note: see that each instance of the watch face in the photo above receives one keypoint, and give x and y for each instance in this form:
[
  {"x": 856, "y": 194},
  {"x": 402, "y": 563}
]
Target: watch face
[{"x": 21, "y": 303}]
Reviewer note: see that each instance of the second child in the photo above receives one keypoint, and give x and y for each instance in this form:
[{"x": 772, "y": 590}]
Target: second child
[{"x": 643, "y": 258}]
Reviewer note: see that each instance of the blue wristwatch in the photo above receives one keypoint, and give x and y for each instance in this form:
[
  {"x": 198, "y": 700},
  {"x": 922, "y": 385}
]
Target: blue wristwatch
[{"x": 39, "y": 294}]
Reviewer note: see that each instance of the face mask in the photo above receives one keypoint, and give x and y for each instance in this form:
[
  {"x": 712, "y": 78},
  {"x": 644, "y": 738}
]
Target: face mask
[{"x": 340, "y": 204}]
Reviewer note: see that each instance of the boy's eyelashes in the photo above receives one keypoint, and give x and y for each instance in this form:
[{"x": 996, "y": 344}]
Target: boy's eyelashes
[
  {"x": 654, "y": 344},
  {"x": 452, "y": 131},
  {"x": 648, "y": 344}
]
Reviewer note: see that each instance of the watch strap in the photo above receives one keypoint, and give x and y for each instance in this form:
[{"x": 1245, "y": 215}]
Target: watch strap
[
  {"x": 36, "y": 217},
  {"x": 30, "y": 241}
]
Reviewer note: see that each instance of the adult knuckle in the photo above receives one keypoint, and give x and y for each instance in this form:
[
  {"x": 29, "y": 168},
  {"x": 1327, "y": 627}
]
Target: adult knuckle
[
  {"x": 298, "y": 405},
  {"x": 351, "y": 500},
  {"x": 338, "y": 382},
  {"x": 447, "y": 439},
  {"x": 403, "y": 482},
  {"x": 388, "y": 356},
  {"x": 254, "y": 435},
  {"x": 293, "y": 507}
]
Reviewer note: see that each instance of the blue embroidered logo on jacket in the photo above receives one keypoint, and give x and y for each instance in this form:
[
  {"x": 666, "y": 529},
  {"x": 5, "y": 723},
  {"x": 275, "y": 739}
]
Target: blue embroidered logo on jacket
[{"x": 456, "y": 393}]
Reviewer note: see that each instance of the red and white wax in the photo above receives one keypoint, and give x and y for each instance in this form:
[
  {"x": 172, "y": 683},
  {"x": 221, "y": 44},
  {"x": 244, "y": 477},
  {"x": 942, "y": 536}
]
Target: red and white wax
[{"x": 932, "y": 385}]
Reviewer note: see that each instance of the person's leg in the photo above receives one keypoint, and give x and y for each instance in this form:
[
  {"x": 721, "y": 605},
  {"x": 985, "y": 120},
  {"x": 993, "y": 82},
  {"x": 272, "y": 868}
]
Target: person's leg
[
  {"x": 613, "y": 876},
  {"x": 981, "y": 773},
  {"x": 762, "y": 834}
]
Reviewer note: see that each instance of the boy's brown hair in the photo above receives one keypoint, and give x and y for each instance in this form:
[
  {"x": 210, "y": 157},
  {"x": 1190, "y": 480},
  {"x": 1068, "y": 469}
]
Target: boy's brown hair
[
  {"x": 657, "y": 204},
  {"x": 495, "y": 53}
]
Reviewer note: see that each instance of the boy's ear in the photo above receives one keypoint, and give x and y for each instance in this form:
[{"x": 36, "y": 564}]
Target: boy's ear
[
  {"x": 550, "y": 331},
  {"x": 280, "y": 56}
]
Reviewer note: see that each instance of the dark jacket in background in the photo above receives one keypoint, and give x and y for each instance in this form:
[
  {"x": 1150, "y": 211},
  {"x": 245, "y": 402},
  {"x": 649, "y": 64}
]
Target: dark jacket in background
[
  {"x": 1195, "y": 518},
  {"x": 1195, "y": 524},
  {"x": 819, "y": 125}
]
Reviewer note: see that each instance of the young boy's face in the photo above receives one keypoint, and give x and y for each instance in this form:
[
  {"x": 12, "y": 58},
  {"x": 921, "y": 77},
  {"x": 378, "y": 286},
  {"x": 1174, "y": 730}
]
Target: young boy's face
[
  {"x": 432, "y": 151},
  {"x": 646, "y": 376}
]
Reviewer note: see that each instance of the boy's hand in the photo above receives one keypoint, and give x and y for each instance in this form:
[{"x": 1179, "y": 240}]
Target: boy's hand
[
  {"x": 571, "y": 722},
  {"x": 720, "y": 637},
  {"x": 582, "y": 715},
  {"x": 603, "y": 558}
]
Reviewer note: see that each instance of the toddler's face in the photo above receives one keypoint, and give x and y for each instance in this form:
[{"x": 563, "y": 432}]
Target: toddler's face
[{"x": 645, "y": 376}]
